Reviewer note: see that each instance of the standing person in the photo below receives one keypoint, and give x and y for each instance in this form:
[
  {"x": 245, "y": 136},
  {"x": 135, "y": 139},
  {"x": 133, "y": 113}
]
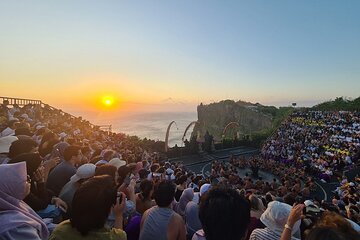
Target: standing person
[
  {"x": 224, "y": 214},
  {"x": 161, "y": 222},
  {"x": 62, "y": 173},
  {"x": 17, "y": 219}
]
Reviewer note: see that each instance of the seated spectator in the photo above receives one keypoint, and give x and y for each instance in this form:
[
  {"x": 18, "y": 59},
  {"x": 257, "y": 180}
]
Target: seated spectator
[
  {"x": 325, "y": 233},
  {"x": 143, "y": 203},
  {"x": 181, "y": 185},
  {"x": 161, "y": 222},
  {"x": 83, "y": 173},
  {"x": 117, "y": 162},
  {"x": 257, "y": 209},
  {"x": 22, "y": 146},
  {"x": 274, "y": 218},
  {"x": 62, "y": 173},
  {"x": 186, "y": 197},
  {"x": 17, "y": 219},
  {"x": 47, "y": 143},
  {"x": 5, "y": 143},
  {"x": 23, "y": 131},
  {"x": 339, "y": 223},
  {"x": 193, "y": 223},
  {"x": 10, "y": 129},
  {"x": 224, "y": 214},
  {"x": 143, "y": 198},
  {"x": 106, "y": 169},
  {"x": 330, "y": 226},
  {"x": 107, "y": 156},
  {"x": 92, "y": 203},
  {"x": 39, "y": 197},
  {"x": 58, "y": 150}
]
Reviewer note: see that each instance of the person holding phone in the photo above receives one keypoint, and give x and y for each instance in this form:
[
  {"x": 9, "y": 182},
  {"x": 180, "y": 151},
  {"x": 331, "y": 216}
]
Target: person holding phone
[{"x": 92, "y": 204}]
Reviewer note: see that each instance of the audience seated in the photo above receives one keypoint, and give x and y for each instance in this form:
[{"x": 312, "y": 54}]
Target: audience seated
[
  {"x": 224, "y": 214},
  {"x": 91, "y": 206},
  {"x": 161, "y": 222}
]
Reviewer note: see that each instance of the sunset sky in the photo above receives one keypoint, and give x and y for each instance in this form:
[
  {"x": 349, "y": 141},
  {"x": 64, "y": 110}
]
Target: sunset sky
[{"x": 172, "y": 55}]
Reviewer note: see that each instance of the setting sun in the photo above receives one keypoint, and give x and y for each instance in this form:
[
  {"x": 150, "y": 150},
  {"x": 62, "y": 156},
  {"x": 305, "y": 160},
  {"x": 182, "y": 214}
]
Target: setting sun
[{"x": 107, "y": 101}]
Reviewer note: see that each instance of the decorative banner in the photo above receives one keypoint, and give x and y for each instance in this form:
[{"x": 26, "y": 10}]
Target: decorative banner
[
  {"x": 167, "y": 136},
  {"x": 187, "y": 128}
]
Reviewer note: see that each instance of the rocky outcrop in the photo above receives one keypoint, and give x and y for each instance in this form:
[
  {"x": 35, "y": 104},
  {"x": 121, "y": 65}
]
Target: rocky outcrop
[{"x": 251, "y": 118}]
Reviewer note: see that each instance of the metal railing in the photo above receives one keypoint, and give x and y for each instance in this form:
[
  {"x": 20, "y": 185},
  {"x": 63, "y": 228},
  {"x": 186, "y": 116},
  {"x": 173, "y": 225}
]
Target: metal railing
[
  {"x": 20, "y": 101},
  {"x": 24, "y": 101}
]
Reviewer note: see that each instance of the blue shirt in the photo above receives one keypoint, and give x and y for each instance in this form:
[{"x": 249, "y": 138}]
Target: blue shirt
[{"x": 59, "y": 176}]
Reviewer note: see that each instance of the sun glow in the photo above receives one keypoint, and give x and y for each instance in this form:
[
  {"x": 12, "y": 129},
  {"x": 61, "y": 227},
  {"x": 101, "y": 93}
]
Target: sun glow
[{"x": 108, "y": 100}]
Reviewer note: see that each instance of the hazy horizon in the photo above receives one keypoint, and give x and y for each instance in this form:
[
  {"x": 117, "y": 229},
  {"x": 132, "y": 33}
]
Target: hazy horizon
[{"x": 156, "y": 56}]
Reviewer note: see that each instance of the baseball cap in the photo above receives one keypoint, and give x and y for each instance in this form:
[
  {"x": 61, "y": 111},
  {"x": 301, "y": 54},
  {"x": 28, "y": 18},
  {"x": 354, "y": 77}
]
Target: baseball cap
[{"x": 84, "y": 171}]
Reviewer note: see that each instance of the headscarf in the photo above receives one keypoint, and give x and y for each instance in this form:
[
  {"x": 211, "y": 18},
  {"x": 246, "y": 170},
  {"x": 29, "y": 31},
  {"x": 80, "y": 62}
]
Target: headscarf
[
  {"x": 186, "y": 196},
  {"x": 275, "y": 217},
  {"x": 14, "y": 212}
]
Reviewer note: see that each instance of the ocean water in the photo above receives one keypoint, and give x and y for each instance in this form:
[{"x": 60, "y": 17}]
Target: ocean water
[{"x": 154, "y": 125}]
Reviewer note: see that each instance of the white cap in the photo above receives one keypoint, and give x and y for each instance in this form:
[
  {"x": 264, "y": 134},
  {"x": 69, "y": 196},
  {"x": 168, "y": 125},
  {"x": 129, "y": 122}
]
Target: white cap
[
  {"x": 84, "y": 171},
  {"x": 308, "y": 203},
  {"x": 117, "y": 162},
  {"x": 204, "y": 188}
]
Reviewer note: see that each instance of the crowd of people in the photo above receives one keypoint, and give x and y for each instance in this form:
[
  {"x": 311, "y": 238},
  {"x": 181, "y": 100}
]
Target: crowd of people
[
  {"x": 324, "y": 142},
  {"x": 63, "y": 178}
]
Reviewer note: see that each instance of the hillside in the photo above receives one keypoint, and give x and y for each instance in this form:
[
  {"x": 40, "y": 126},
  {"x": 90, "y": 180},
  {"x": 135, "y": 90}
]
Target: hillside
[
  {"x": 339, "y": 104},
  {"x": 251, "y": 118}
]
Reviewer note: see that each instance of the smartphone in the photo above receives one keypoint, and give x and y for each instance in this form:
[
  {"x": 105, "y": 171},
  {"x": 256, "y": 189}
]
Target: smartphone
[
  {"x": 119, "y": 196},
  {"x": 127, "y": 180}
]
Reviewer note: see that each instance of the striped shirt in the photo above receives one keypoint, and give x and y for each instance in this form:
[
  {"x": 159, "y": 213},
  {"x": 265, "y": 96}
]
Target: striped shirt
[
  {"x": 267, "y": 234},
  {"x": 264, "y": 234}
]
